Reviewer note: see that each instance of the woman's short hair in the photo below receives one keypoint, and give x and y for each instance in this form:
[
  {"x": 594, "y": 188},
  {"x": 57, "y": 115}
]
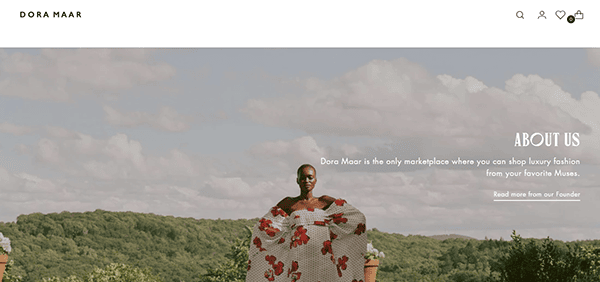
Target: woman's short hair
[{"x": 303, "y": 166}]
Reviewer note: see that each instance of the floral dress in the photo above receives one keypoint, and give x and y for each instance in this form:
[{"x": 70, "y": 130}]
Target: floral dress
[{"x": 311, "y": 245}]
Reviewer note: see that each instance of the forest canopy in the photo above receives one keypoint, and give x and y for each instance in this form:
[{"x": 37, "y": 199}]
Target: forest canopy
[{"x": 57, "y": 246}]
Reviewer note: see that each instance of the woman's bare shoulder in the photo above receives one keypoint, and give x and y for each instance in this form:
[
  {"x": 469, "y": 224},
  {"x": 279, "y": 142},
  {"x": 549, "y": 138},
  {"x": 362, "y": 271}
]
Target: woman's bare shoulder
[
  {"x": 327, "y": 199},
  {"x": 286, "y": 202}
]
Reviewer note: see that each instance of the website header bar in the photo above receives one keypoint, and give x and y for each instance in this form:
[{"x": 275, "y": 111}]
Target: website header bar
[{"x": 311, "y": 23}]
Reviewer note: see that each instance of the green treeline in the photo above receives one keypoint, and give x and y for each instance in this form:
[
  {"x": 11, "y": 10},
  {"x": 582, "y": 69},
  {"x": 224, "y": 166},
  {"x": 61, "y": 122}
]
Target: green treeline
[
  {"x": 186, "y": 249},
  {"x": 65, "y": 244},
  {"x": 419, "y": 258}
]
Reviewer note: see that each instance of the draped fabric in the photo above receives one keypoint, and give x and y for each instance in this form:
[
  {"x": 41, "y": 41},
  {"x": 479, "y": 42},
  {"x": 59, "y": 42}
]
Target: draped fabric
[{"x": 311, "y": 245}]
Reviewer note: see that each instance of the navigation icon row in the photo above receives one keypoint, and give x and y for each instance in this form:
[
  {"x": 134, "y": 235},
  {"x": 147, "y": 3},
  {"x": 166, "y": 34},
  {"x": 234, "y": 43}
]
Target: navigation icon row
[{"x": 560, "y": 14}]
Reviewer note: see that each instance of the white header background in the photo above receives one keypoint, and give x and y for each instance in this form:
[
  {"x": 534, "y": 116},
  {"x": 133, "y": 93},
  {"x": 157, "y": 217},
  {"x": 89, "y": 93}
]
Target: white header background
[{"x": 276, "y": 23}]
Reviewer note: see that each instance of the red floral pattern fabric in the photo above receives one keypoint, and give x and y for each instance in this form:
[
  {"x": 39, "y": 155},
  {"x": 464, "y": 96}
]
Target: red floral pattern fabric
[{"x": 322, "y": 245}]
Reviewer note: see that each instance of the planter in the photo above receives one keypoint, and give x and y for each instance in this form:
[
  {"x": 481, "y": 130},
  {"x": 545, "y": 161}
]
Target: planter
[
  {"x": 371, "y": 270},
  {"x": 3, "y": 260}
]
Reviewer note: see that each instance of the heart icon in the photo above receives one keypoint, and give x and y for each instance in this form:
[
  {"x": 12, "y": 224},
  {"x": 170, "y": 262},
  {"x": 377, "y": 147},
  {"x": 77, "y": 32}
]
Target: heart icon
[{"x": 560, "y": 14}]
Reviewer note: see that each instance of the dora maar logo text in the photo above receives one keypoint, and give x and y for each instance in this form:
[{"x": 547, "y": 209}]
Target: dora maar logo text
[{"x": 38, "y": 14}]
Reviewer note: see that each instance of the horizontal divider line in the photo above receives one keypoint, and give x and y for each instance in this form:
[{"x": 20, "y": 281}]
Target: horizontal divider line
[{"x": 537, "y": 200}]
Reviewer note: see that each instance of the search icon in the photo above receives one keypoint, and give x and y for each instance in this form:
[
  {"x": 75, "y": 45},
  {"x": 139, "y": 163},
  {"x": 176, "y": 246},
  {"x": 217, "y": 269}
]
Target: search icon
[{"x": 520, "y": 15}]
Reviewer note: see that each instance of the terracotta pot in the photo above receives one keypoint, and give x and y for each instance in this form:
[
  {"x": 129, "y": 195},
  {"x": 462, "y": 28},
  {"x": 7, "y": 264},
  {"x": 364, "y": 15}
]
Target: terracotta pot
[
  {"x": 371, "y": 270},
  {"x": 3, "y": 260}
]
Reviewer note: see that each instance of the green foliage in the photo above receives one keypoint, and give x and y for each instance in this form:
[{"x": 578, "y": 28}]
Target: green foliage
[
  {"x": 549, "y": 261},
  {"x": 235, "y": 268},
  {"x": 586, "y": 261},
  {"x": 9, "y": 275},
  {"x": 113, "y": 272},
  {"x": 71, "y": 278},
  {"x": 74, "y": 244},
  {"x": 71, "y": 246},
  {"x": 121, "y": 272}
]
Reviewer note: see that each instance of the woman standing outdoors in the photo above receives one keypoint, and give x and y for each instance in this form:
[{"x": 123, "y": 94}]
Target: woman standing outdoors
[{"x": 305, "y": 238}]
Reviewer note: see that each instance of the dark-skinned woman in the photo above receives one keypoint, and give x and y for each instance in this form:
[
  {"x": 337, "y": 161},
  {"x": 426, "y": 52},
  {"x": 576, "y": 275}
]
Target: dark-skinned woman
[{"x": 309, "y": 239}]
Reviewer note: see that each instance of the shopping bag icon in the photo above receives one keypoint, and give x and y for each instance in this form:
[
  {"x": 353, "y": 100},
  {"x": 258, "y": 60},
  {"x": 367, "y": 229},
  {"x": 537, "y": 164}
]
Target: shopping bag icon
[{"x": 579, "y": 15}]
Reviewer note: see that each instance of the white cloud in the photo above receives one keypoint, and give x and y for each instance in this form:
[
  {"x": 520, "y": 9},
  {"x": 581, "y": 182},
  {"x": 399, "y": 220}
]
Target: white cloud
[
  {"x": 289, "y": 154},
  {"x": 114, "y": 158},
  {"x": 121, "y": 150},
  {"x": 36, "y": 184},
  {"x": 48, "y": 152},
  {"x": 59, "y": 74},
  {"x": 235, "y": 187},
  {"x": 115, "y": 185},
  {"x": 21, "y": 149},
  {"x": 594, "y": 56},
  {"x": 349, "y": 150},
  {"x": 86, "y": 145},
  {"x": 60, "y": 132},
  {"x": 24, "y": 185},
  {"x": 15, "y": 129},
  {"x": 166, "y": 119},
  {"x": 65, "y": 147},
  {"x": 7, "y": 180},
  {"x": 399, "y": 99}
]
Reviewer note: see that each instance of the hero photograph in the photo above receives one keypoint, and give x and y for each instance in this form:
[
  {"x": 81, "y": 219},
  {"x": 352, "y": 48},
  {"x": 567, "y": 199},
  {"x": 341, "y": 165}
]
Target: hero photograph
[{"x": 300, "y": 165}]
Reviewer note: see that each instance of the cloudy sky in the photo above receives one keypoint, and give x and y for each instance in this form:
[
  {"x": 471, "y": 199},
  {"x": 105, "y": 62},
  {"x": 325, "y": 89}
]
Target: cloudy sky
[{"x": 209, "y": 133}]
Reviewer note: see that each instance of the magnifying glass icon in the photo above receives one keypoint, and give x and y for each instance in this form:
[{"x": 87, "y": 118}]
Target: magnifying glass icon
[{"x": 520, "y": 15}]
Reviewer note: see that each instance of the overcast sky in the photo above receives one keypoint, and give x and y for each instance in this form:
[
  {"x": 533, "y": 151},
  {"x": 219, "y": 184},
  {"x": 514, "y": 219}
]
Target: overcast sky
[{"x": 209, "y": 133}]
